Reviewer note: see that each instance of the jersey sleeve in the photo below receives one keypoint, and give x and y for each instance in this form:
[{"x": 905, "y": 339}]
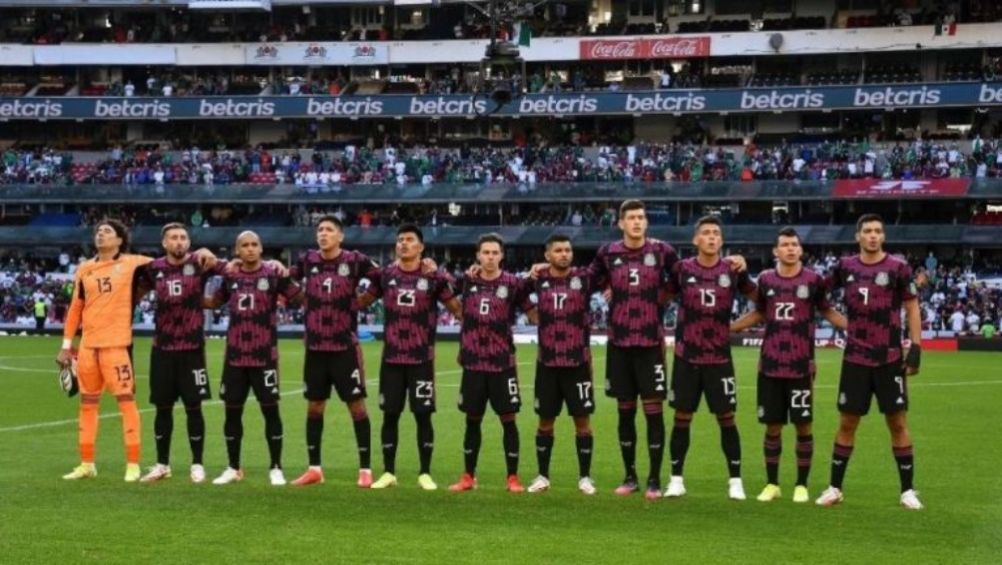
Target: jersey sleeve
[
  {"x": 74, "y": 315},
  {"x": 760, "y": 299},
  {"x": 367, "y": 268},
  {"x": 298, "y": 268},
  {"x": 822, "y": 297},
  {"x": 836, "y": 278},
  {"x": 222, "y": 294},
  {"x": 674, "y": 282},
  {"x": 669, "y": 257},
  {"x": 375, "y": 289},
  {"x": 523, "y": 295},
  {"x": 288, "y": 288},
  {"x": 745, "y": 284},
  {"x": 598, "y": 271},
  {"x": 906, "y": 283},
  {"x": 446, "y": 286}
]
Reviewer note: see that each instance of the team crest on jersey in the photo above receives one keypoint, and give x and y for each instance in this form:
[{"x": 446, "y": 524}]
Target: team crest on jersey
[
  {"x": 649, "y": 260},
  {"x": 343, "y": 270},
  {"x": 882, "y": 279},
  {"x": 422, "y": 284},
  {"x": 575, "y": 283},
  {"x": 262, "y": 284},
  {"x": 188, "y": 270},
  {"x": 724, "y": 281},
  {"x": 802, "y": 292},
  {"x": 502, "y": 292}
]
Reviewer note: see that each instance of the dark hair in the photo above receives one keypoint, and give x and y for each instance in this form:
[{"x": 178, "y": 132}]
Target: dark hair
[
  {"x": 332, "y": 219},
  {"x": 411, "y": 228},
  {"x": 490, "y": 238},
  {"x": 708, "y": 220},
  {"x": 629, "y": 205},
  {"x": 120, "y": 230},
  {"x": 866, "y": 218},
  {"x": 172, "y": 226},
  {"x": 557, "y": 238},
  {"x": 787, "y": 232}
]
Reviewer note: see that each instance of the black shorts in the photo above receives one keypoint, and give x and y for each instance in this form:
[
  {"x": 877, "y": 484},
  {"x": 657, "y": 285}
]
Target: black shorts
[
  {"x": 636, "y": 371},
  {"x": 689, "y": 382},
  {"x": 500, "y": 389},
  {"x": 558, "y": 385},
  {"x": 178, "y": 374},
  {"x": 782, "y": 400},
  {"x": 239, "y": 381},
  {"x": 860, "y": 383},
  {"x": 398, "y": 383},
  {"x": 341, "y": 370}
]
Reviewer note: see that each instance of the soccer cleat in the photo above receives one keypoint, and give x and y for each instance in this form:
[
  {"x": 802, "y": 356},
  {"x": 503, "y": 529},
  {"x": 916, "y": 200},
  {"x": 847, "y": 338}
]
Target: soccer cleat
[
  {"x": 586, "y": 486},
  {"x": 514, "y": 485},
  {"x": 830, "y": 497},
  {"x": 770, "y": 493},
  {"x": 197, "y": 474},
  {"x": 653, "y": 491},
  {"x": 133, "y": 473},
  {"x": 425, "y": 481},
  {"x": 628, "y": 487},
  {"x": 466, "y": 482},
  {"x": 312, "y": 476},
  {"x": 364, "y": 478},
  {"x": 81, "y": 471},
  {"x": 676, "y": 487},
  {"x": 539, "y": 484},
  {"x": 386, "y": 481},
  {"x": 735, "y": 489},
  {"x": 156, "y": 472},
  {"x": 230, "y": 475},
  {"x": 277, "y": 477},
  {"x": 909, "y": 499},
  {"x": 800, "y": 494}
]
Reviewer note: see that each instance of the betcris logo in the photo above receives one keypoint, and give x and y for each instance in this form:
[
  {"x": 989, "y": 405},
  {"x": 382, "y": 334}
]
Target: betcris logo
[
  {"x": 781, "y": 100},
  {"x": 990, "y": 95},
  {"x": 442, "y": 106},
  {"x": 344, "y": 107},
  {"x": 127, "y": 108},
  {"x": 891, "y": 97},
  {"x": 558, "y": 105},
  {"x": 230, "y": 108},
  {"x": 30, "y": 109},
  {"x": 689, "y": 102}
]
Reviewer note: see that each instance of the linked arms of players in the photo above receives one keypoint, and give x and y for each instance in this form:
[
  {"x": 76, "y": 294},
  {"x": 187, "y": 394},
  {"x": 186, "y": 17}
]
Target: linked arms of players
[{"x": 755, "y": 317}]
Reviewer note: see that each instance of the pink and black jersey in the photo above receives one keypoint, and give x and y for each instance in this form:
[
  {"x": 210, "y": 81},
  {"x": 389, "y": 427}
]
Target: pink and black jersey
[
  {"x": 790, "y": 305},
  {"x": 252, "y": 300},
  {"x": 564, "y": 310},
  {"x": 410, "y": 300},
  {"x": 706, "y": 298},
  {"x": 874, "y": 295},
  {"x": 489, "y": 307},
  {"x": 635, "y": 277},
  {"x": 330, "y": 288},
  {"x": 179, "y": 289}
]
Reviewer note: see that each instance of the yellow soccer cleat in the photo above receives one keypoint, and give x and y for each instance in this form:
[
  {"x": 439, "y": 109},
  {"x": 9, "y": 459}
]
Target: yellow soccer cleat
[
  {"x": 770, "y": 493},
  {"x": 132, "y": 473},
  {"x": 81, "y": 471},
  {"x": 800, "y": 494},
  {"x": 426, "y": 483},
  {"x": 386, "y": 481}
]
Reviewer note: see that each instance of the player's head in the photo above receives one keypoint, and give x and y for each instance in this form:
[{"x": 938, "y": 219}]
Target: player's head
[
  {"x": 330, "y": 233},
  {"x": 410, "y": 242},
  {"x": 111, "y": 235},
  {"x": 490, "y": 252},
  {"x": 708, "y": 236},
  {"x": 174, "y": 238},
  {"x": 633, "y": 219},
  {"x": 558, "y": 252},
  {"x": 787, "y": 249},
  {"x": 870, "y": 233},
  {"x": 249, "y": 247}
]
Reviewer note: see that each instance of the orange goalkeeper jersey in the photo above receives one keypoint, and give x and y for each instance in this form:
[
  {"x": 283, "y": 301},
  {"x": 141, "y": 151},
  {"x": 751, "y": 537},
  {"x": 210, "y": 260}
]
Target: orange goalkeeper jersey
[{"x": 102, "y": 304}]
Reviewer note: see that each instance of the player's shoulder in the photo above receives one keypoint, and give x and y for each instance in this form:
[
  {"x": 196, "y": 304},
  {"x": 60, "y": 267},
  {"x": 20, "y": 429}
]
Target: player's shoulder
[
  {"x": 898, "y": 262},
  {"x": 660, "y": 246},
  {"x": 134, "y": 260},
  {"x": 768, "y": 276}
]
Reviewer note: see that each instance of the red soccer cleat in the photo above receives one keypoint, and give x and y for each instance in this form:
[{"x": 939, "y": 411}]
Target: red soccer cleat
[
  {"x": 515, "y": 485},
  {"x": 312, "y": 476},
  {"x": 364, "y": 478},
  {"x": 466, "y": 482}
]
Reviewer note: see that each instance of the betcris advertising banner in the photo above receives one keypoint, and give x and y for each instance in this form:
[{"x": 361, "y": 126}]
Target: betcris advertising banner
[
  {"x": 891, "y": 188},
  {"x": 793, "y": 99}
]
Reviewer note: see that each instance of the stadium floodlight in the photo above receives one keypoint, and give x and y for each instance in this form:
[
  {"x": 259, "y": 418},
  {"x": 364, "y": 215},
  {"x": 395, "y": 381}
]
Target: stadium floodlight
[{"x": 230, "y": 5}]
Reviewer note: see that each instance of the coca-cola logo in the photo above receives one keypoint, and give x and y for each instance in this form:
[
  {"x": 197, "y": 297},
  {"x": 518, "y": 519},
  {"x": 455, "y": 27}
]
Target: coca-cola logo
[
  {"x": 614, "y": 50},
  {"x": 664, "y": 48},
  {"x": 667, "y": 48}
]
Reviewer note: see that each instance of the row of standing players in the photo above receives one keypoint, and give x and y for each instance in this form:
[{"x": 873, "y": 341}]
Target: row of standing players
[{"x": 640, "y": 274}]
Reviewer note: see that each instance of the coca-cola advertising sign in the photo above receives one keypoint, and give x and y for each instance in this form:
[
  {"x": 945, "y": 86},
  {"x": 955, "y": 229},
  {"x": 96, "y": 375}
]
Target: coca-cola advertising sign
[{"x": 642, "y": 48}]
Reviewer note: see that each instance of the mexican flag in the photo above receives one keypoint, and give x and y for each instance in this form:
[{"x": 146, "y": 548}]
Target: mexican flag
[{"x": 524, "y": 33}]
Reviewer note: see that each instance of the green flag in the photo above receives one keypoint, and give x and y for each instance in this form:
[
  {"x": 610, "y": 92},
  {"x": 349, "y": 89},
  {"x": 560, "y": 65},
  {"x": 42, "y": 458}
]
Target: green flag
[{"x": 524, "y": 34}]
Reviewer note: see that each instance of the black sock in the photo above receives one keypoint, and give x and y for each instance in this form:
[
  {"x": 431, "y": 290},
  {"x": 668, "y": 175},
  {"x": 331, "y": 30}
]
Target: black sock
[
  {"x": 314, "y": 436},
  {"x": 471, "y": 444},
  {"x": 840, "y": 461},
  {"x": 163, "y": 429},
  {"x": 679, "y": 445},
  {"x": 584, "y": 445},
  {"x": 655, "y": 441},
  {"x": 905, "y": 458},
  {"x": 628, "y": 437},
  {"x": 544, "y": 448},
  {"x": 805, "y": 452},
  {"x": 510, "y": 442},
  {"x": 196, "y": 433},
  {"x": 233, "y": 431},
  {"x": 730, "y": 443},
  {"x": 773, "y": 448},
  {"x": 363, "y": 438},
  {"x": 425, "y": 441},
  {"x": 390, "y": 435},
  {"x": 273, "y": 433}
]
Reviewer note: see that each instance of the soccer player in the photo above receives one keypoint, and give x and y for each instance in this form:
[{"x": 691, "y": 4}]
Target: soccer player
[
  {"x": 563, "y": 368},
  {"x": 251, "y": 294},
  {"x": 706, "y": 287},
  {"x": 876, "y": 287},
  {"x": 789, "y": 298},
  {"x": 410, "y": 299},
  {"x": 487, "y": 355}
]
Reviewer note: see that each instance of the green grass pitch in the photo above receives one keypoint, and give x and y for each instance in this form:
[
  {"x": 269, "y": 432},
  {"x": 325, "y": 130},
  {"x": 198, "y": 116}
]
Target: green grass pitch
[{"x": 44, "y": 519}]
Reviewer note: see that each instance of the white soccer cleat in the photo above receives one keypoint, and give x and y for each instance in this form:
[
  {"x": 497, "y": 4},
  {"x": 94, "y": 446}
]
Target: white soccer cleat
[
  {"x": 156, "y": 473},
  {"x": 197, "y": 474},
  {"x": 736, "y": 489},
  {"x": 277, "y": 477},
  {"x": 909, "y": 499},
  {"x": 587, "y": 486},
  {"x": 539, "y": 484},
  {"x": 832, "y": 496},
  {"x": 230, "y": 475},
  {"x": 676, "y": 487}
]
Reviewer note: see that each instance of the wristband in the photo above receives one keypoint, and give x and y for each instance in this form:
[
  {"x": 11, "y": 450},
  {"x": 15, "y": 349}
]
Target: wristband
[
  {"x": 67, "y": 343},
  {"x": 914, "y": 358}
]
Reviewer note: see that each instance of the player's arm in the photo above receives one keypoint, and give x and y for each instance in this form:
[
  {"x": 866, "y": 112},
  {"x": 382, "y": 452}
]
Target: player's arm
[
  {"x": 447, "y": 296},
  {"x": 746, "y": 286},
  {"x": 913, "y": 357},
  {"x": 749, "y": 320},
  {"x": 71, "y": 325},
  {"x": 218, "y": 298},
  {"x": 673, "y": 284},
  {"x": 738, "y": 263},
  {"x": 290, "y": 290},
  {"x": 836, "y": 319},
  {"x": 206, "y": 259}
]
